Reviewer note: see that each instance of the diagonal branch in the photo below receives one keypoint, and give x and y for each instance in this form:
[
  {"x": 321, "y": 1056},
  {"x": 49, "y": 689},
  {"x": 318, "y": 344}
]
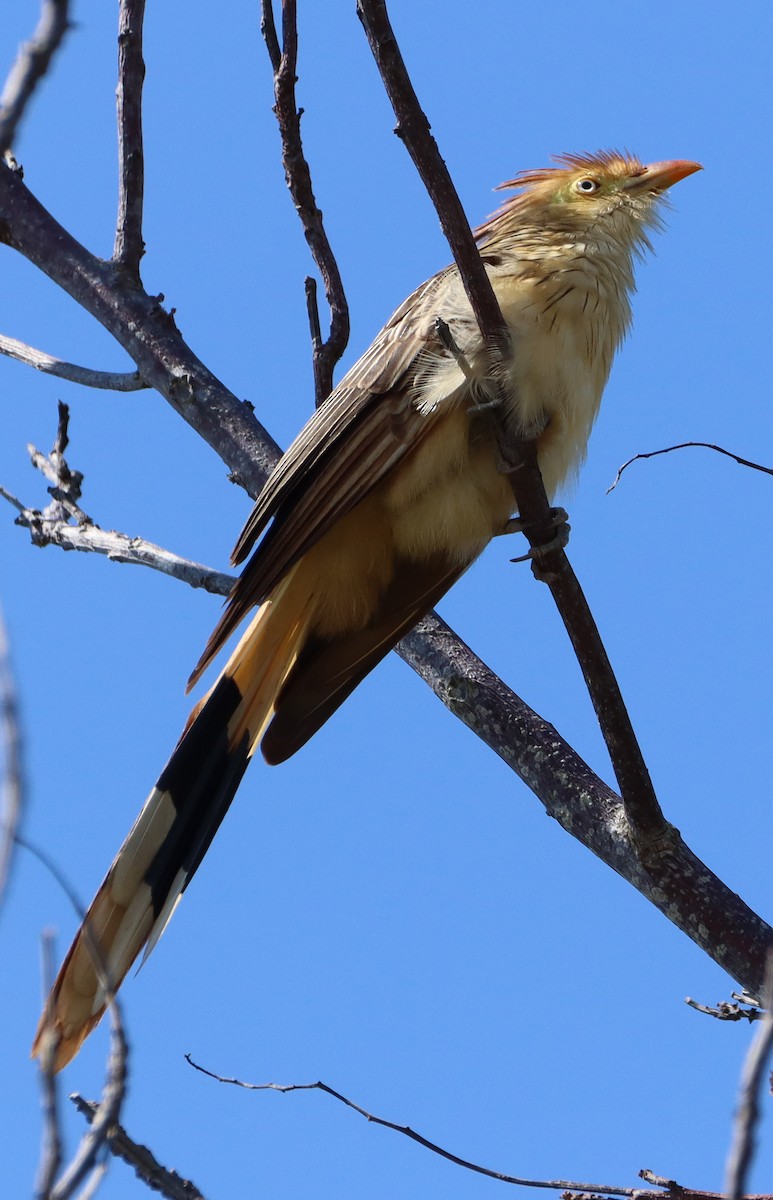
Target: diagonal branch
[
  {"x": 129, "y": 246},
  {"x": 31, "y": 65},
  {"x": 146, "y": 1166},
  {"x": 146, "y": 331},
  {"x": 641, "y": 807}
]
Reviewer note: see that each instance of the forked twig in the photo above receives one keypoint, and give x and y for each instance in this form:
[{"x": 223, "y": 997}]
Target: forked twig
[{"x": 284, "y": 60}]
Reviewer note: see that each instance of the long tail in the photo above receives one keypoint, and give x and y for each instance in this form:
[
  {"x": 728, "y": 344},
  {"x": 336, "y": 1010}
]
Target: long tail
[{"x": 177, "y": 823}]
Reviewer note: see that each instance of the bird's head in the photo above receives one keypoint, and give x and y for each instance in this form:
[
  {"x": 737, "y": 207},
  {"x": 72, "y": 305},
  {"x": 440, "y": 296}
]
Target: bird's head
[{"x": 608, "y": 190}]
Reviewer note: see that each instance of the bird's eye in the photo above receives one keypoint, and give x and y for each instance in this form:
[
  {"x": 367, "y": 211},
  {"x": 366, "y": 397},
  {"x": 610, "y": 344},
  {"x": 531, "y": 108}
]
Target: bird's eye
[{"x": 587, "y": 186}]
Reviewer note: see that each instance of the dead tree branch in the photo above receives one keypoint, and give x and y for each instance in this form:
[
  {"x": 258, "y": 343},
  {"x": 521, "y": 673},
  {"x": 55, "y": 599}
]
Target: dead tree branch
[
  {"x": 114, "y": 381},
  {"x": 725, "y": 1011},
  {"x": 642, "y": 810},
  {"x": 32, "y": 63},
  {"x": 85, "y": 1163},
  {"x": 129, "y": 246},
  {"x": 63, "y": 523},
  {"x": 146, "y": 331},
  {"x": 146, "y": 1167},
  {"x": 742, "y": 462},
  {"x": 12, "y": 788},
  {"x": 748, "y": 1112},
  {"x": 672, "y": 1190},
  {"x": 284, "y": 61}
]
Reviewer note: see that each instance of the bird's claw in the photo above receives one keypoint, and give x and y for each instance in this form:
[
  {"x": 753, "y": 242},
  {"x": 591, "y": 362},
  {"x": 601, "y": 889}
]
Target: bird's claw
[{"x": 559, "y": 519}]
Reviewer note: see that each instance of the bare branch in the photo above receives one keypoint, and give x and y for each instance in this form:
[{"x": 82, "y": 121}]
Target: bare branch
[
  {"x": 672, "y": 878},
  {"x": 120, "y": 548},
  {"x": 114, "y": 381},
  {"x": 678, "y": 1190},
  {"x": 84, "y": 1162},
  {"x": 284, "y": 63},
  {"x": 725, "y": 1011},
  {"x": 675, "y": 1190},
  {"x": 641, "y": 807},
  {"x": 129, "y": 246},
  {"x": 743, "y": 462},
  {"x": 145, "y": 330},
  {"x": 31, "y": 65},
  {"x": 51, "y": 1154},
  {"x": 748, "y": 1112},
  {"x": 12, "y": 789},
  {"x": 63, "y": 523},
  {"x": 147, "y": 1167}
]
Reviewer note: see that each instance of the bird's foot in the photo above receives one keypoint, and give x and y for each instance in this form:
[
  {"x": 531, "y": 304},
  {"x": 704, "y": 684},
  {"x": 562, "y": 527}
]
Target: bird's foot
[{"x": 559, "y": 519}]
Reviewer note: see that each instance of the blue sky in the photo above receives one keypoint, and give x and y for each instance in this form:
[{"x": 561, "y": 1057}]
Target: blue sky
[{"x": 390, "y": 911}]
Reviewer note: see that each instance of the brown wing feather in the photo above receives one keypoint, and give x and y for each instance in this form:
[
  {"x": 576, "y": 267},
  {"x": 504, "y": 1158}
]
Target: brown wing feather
[
  {"x": 381, "y": 369},
  {"x": 367, "y": 425},
  {"x": 327, "y": 671}
]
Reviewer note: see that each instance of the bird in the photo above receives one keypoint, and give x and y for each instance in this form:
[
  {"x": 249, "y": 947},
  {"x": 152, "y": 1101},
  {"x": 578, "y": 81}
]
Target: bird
[{"x": 392, "y": 489}]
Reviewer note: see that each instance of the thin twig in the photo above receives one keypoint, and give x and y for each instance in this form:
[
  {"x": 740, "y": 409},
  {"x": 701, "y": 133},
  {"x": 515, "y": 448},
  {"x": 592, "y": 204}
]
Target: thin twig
[
  {"x": 12, "y": 786},
  {"x": 63, "y": 523},
  {"x": 742, "y": 462},
  {"x": 51, "y": 1154},
  {"x": 643, "y": 812},
  {"x": 748, "y": 1112},
  {"x": 725, "y": 1011},
  {"x": 32, "y": 63},
  {"x": 114, "y": 381},
  {"x": 84, "y": 1162},
  {"x": 129, "y": 246},
  {"x": 679, "y": 1192},
  {"x": 284, "y": 62},
  {"x": 147, "y": 1168},
  {"x": 552, "y": 1184}
]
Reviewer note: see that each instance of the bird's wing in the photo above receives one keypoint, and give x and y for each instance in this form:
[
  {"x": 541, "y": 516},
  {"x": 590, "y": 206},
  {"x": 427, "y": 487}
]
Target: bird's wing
[
  {"x": 365, "y": 427},
  {"x": 355, "y": 417}
]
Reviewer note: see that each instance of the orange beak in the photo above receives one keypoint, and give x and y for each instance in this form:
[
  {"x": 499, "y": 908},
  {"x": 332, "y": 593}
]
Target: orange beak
[{"x": 661, "y": 175}]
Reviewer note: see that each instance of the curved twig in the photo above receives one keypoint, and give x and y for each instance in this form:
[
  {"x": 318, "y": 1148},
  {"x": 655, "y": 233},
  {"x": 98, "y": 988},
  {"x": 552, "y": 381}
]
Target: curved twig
[
  {"x": 742, "y": 462},
  {"x": 677, "y": 1191}
]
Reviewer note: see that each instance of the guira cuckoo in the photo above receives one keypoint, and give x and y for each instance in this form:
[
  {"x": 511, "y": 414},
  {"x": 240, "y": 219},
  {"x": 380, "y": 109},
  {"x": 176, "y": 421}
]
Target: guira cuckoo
[{"x": 392, "y": 489}]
